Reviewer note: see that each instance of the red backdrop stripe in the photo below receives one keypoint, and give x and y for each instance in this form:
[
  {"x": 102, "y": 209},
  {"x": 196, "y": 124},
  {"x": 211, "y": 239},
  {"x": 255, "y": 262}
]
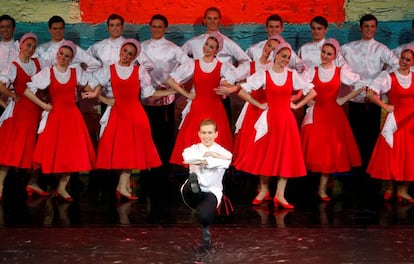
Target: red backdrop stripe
[{"x": 234, "y": 12}]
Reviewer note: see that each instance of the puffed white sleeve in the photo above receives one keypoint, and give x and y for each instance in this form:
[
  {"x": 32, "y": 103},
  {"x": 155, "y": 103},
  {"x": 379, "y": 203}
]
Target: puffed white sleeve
[
  {"x": 381, "y": 84},
  {"x": 102, "y": 77},
  {"x": 309, "y": 74},
  {"x": 228, "y": 72},
  {"x": 350, "y": 78},
  {"x": 184, "y": 72},
  {"x": 300, "y": 84},
  {"x": 8, "y": 75},
  {"x": 82, "y": 76},
  {"x": 40, "y": 80},
  {"x": 255, "y": 81},
  {"x": 145, "y": 81}
]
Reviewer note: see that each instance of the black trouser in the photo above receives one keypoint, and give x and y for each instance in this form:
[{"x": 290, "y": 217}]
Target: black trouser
[
  {"x": 364, "y": 119},
  {"x": 162, "y": 121},
  {"x": 205, "y": 204}
]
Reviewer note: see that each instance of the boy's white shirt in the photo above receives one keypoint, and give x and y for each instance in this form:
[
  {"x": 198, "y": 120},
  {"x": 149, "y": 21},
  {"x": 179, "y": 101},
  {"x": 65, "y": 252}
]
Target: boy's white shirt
[{"x": 210, "y": 175}]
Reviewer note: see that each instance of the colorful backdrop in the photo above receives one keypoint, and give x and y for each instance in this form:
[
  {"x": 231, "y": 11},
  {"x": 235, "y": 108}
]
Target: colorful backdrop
[{"x": 243, "y": 20}]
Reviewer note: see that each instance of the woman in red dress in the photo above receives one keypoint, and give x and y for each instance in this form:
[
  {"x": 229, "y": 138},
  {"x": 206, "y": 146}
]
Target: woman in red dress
[
  {"x": 203, "y": 101},
  {"x": 126, "y": 142},
  {"x": 18, "y": 125},
  {"x": 64, "y": 145},
  {"x": 392, "y": 158},
  {"x": 249, "y": 114},
  {"x": 275, "y": 149},
  {"x": 327, "y": 140}
]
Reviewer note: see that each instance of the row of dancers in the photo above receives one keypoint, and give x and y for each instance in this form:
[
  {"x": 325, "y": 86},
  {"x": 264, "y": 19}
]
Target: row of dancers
[{"x": 268, "y": 142}]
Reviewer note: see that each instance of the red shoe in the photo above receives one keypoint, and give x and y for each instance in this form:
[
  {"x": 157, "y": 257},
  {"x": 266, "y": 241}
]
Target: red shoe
[
  {"x": 325, "y": 198},
  {"x": 30, "y": 191},
  {"x": 387, "y": 195},
  {"x": 65, "y": 199},
  {"x": 265, "y": 198},
  {"x": 119, "y": 196},
  {"x": 278, "y": 203},
  {"x": 403, "y": 200}
]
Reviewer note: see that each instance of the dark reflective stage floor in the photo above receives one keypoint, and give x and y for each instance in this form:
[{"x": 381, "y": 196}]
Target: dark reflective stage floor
[{"x": 356, "y": 227}]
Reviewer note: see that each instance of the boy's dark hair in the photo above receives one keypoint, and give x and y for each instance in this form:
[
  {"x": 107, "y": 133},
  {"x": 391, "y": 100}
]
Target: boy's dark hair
[
  {"x": 7, "y": 17},
  {"x": 367, "y": 17},
  {"x": 159, "y": 17},
  {"x": 274, "y": 17},
  {"x": 56, "y": 19},
  {"x": 212, "y": 8},
  {"x": 320, "y": 20},
  {"x": 113, "y": 17}
]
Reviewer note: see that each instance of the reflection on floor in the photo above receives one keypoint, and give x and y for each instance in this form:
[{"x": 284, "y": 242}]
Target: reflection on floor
[{"x": 162, "y": 230}]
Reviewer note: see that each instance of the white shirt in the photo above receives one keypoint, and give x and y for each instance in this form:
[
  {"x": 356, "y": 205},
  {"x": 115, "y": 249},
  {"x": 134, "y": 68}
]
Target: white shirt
[
  {"x": 9, "y": 51},
  {"x": 49, "y": 50},
  {"x": 255, "y": 52},
  {"x": 368, "y": 58},
  {"x": 166, "y": 57},
  {"x": 210, "y": 176},
  {"x": 230, "y": 53},
  {"x": 103, "y": 77},
  {"x": 185, "y": 72}
]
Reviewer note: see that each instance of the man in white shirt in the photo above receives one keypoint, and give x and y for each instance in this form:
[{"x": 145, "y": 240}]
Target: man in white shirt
[
  {"x": 274, "y": 26},
  {"x": 310, "y": 52},
  {"x": 231, "y": 52},
  {"x": 107, "y": 50},
  {"x": 9, "y": 48},
  {"x": 368, "y": 58},
  {"x": 203, "y": 191},
  {"x": 48, "y": 50},
  {"x": 166, "y": 56}
]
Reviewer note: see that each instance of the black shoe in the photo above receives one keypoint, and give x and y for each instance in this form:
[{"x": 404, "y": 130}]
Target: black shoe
[{"x": 193, "y": 181}]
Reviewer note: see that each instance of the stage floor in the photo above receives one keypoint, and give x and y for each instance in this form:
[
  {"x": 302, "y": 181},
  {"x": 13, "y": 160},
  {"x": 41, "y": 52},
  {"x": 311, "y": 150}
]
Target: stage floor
[{"x": 356, "y": 227}]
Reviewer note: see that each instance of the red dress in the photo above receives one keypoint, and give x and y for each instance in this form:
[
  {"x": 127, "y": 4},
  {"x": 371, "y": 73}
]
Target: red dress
[
  {"x": 126, "y": 142},
  {"x": 19, "y": 132},
  {"x": 206, "y": 104},
  {"x": 247, "y": 132},
  {"x": 328, "y": 143},
  {"x": 397, "y": 162},
  {"x": 64, "y": 145},
  {"x": 278, "y": 152}
]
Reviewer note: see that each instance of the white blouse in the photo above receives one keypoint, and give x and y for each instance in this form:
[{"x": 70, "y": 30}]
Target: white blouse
[
  {"x": 382, "y": 84},
  {"x": 103, "y": 77},
  {"x": 257, "y": 80},
  {"x": 48, "y": 51},
  {"x": 229, "y": 53},
  {"x": 347, "y": 76},
  {"x": 42, "y": 79},
  {"x": 9, "y": 74},
  {"x": 185, "y": 72}
]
